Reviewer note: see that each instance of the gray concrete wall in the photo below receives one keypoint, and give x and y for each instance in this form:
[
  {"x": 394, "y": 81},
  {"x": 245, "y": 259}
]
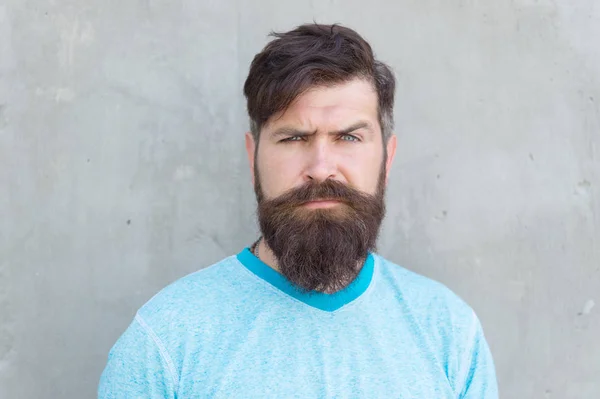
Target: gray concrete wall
[{"x": 122, "y": 168}]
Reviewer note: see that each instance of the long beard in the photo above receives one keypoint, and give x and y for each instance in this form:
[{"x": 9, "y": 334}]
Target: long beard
[{"x": 321, "y": 249}]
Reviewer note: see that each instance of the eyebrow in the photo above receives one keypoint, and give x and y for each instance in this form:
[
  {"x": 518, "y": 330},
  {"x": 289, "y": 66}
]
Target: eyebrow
[{"x": 290, "y": 131}]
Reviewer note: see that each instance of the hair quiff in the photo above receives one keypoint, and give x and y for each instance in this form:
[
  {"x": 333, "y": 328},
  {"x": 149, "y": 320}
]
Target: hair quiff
[{"x": 314, "y": 55}]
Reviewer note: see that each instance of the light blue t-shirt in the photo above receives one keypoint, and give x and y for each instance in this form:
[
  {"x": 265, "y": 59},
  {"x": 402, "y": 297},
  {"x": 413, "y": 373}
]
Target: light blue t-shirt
[{"x": 239, "y": 329}]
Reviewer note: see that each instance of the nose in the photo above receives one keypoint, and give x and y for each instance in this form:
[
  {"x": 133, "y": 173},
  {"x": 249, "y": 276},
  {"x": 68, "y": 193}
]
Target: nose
[{"x": 321, "y": 163}]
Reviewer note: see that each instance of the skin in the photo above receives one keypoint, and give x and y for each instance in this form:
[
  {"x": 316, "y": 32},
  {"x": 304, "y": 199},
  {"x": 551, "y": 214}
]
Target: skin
[{"x": 326, "y": 133}]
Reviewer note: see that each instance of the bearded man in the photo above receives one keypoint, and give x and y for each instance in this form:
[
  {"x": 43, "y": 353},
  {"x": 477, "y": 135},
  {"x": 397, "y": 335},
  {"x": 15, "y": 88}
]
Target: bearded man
[{"x": 309, "y": 310}]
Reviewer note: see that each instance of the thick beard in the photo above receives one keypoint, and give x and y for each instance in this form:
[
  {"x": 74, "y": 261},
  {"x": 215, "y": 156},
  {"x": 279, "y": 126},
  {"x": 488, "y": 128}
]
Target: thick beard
[{"x": 321, "y": 249}]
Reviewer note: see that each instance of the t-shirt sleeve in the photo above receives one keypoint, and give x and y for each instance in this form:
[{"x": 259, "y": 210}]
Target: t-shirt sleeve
[
  {"x": 138, "y": 366},
  {"x": 478, "y": 367}
]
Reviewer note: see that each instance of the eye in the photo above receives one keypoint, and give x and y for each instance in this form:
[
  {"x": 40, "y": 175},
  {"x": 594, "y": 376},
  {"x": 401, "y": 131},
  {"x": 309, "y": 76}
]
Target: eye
[
  {"x": 293, "y": 138},
  {"x": 349, "y": 137}
]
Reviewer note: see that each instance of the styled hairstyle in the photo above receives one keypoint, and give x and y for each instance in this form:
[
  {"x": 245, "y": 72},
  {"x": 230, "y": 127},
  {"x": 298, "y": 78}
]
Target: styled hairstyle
[{"x": 313, "y": 55}]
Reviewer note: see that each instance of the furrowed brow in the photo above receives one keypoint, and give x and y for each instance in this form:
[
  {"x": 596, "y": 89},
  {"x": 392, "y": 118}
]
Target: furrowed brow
[
  {"x": 287, "y": 131},
  {"x": 358, "y": 125}
]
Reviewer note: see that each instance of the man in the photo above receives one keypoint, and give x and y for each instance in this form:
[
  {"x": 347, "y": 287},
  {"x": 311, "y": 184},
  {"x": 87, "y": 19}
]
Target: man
[{"x": 309, "y": 310}]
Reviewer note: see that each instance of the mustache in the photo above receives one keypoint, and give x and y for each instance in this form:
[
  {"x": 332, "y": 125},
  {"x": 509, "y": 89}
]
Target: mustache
[{"x": 313, "y": 191}]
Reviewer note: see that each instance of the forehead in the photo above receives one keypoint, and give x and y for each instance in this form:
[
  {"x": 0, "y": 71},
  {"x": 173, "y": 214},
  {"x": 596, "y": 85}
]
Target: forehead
[{"x": 339, "y": 104}]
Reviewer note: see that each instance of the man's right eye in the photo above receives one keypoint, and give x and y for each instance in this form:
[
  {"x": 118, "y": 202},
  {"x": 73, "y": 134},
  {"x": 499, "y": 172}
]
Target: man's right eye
[{"x": 293, "y": 138}]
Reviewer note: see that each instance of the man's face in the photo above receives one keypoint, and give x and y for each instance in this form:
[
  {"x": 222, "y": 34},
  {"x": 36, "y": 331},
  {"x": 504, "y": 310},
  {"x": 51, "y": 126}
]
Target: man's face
[{"x": 319, "y": 173}]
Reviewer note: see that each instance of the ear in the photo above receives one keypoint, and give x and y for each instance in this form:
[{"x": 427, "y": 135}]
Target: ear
[
  {"x": 251, "y": 151},
  {"x": 391, "y": 153}
]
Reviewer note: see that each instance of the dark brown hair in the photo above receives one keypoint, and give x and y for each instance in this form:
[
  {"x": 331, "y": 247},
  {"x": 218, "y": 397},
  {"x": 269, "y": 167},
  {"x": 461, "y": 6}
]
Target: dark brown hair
[{"x": 314, "y": 55}]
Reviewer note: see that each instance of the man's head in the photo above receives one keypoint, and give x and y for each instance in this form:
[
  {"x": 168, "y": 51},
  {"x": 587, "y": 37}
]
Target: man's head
[{"x": 320, "y": 149}]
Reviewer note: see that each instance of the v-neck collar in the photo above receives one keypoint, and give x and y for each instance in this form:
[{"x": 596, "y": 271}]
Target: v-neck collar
[{"x": 319, "y": 300}]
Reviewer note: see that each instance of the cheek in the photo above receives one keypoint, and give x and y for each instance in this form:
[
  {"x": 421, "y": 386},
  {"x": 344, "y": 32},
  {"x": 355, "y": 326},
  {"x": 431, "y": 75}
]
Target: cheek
[
  {"x": 277, "y": 174},
  {"x": 362, "y": 171}
]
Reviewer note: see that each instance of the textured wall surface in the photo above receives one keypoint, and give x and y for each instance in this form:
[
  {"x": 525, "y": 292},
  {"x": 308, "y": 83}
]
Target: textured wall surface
[{"x": 122, "y": 168}]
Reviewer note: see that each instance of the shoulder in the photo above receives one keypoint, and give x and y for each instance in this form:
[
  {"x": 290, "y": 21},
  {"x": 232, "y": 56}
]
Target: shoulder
[
  {"x": 443, "y": 323},
  {"x": 428, "y": 300},
  {"x": 192, "y": 296}
]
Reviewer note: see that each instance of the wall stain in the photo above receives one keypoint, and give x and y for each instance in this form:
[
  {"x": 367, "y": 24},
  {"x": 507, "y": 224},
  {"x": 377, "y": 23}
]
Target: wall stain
[
  {"x": 584, "y": 183},
  {"x": 587, "y": 307},
  {"x": 442, "y": 216}
]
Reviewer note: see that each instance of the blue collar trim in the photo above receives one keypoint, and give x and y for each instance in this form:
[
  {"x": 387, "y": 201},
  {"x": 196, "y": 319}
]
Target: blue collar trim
[{"x": 319, "y": 300}]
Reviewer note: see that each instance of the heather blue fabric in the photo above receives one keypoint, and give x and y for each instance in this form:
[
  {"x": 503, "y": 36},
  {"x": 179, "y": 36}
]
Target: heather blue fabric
[{"x": 239, "y": 329}]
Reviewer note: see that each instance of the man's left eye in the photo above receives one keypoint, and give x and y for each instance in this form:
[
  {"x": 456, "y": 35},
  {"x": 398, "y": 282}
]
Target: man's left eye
[{"x": 349, "y": 137}]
